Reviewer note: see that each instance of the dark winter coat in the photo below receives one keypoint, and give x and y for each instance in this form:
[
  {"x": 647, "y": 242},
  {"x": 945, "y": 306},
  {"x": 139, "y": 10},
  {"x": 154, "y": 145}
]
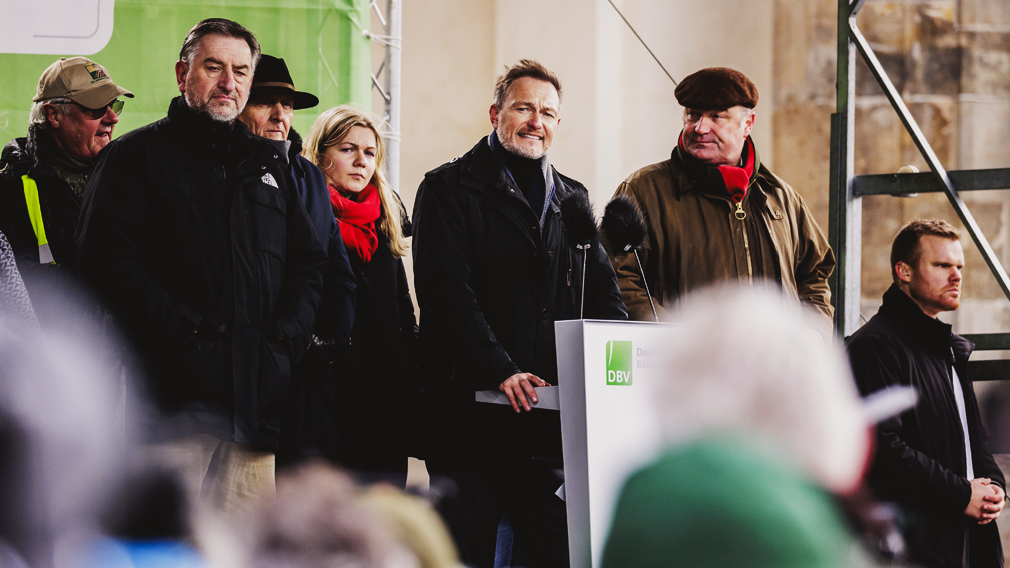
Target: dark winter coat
[
  {"x": 191, "y": 225},
  {"x": 60, "y": 207},
  {"x": 920, "y": 459},
  {"x": 695, "y": 238},
  {"x": 379, "y": 371},
  {"x": 336, "y": 311},
  {"x": 356, "y": 411},
  {"x": 490, "y": 284}
]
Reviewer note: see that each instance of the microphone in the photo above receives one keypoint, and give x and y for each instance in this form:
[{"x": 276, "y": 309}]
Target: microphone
[
  {"x": 624, "y": 225},
  {"x": 580, "y": 228}
]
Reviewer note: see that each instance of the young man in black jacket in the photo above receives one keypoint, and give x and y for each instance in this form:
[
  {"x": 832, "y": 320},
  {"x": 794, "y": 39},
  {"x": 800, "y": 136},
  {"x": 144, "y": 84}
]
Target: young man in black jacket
[
  {"x": 932, "y": 460},
  {"x": 493, "y": 271},
  {"x": 194, "y": 236}
]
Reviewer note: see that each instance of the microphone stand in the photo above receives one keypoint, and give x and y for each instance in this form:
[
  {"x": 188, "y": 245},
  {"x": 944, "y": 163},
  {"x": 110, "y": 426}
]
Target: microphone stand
[
  {"x": 641, "y": 271},
  {"x": 585, "y": 258}
]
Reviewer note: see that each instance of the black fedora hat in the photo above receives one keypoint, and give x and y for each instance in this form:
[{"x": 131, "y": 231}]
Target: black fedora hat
[{"x": 272, "y": 77}]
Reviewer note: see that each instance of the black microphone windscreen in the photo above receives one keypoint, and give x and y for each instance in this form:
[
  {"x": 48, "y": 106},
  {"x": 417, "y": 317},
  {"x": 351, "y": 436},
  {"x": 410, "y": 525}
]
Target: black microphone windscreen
[
  {"x": 624, "y": 224},
  {"x": 577, "y": 218}
]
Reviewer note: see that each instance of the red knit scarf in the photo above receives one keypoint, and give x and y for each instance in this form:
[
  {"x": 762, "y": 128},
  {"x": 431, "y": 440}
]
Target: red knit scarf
[
  {"x": 357, "y": 217},
  {"x": 736, "y": 179}
]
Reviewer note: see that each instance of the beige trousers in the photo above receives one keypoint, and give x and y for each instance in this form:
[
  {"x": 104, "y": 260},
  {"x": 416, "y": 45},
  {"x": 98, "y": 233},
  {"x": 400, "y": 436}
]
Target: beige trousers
[{"x": 224, "y": 477}]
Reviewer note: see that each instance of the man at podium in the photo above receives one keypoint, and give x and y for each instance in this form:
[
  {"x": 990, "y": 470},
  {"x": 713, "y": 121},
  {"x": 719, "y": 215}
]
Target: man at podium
[{"x": 493, "y": 271}]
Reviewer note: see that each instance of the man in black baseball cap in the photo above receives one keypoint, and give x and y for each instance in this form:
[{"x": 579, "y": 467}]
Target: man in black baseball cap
[{"x": 717, "y": 213}]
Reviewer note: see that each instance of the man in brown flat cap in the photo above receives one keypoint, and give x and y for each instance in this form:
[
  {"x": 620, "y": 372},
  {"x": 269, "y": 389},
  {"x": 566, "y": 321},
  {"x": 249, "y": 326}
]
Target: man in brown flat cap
[
  {"x": 715, "y": 213},
  {"x": 42, "y": 176}
]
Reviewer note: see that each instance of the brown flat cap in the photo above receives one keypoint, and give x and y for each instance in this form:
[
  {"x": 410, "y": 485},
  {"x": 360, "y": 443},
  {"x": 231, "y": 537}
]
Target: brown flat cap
[{"x": 716, "y": 88}]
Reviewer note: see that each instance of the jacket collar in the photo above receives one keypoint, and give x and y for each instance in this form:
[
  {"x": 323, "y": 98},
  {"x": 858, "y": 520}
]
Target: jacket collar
[
  {"x": 36, "y": 156},
  {"x": 233, "y": 139},
  {"x": 482, "y": 171},
  {"x": 930, "y": 332},
  {"x": 691, "y": 175},
  {"x": 485, "y": 169},
  {"x": 201, "y": 124}
]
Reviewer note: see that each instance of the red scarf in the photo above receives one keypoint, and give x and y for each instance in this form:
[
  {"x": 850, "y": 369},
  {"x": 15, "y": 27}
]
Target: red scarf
[
  {"x": 736, "y": 179},
  {"x": 357, "y": 220}
]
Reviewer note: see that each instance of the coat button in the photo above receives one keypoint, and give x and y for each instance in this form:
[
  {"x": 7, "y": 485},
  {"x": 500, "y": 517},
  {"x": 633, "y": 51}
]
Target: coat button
[
  {"x": 263, "y": 167},
  {"x": 544, "y": 314}
]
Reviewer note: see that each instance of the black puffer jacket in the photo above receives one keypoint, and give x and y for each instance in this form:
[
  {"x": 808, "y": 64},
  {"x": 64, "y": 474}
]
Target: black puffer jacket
[
  {"x": 194, "y": 225},
  {"x": 490, "y": 284},
  {"x": 920, "y": 459},
  {"x": 60, "y": 207}
]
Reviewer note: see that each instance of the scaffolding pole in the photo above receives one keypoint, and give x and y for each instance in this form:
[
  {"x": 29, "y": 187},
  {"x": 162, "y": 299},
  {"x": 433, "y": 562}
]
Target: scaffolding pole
[{"x": 389, "y": 86}]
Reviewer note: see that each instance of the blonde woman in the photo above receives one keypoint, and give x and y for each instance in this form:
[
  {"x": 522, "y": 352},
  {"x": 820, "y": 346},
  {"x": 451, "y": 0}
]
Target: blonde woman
[{"x": 375, "y": 375}]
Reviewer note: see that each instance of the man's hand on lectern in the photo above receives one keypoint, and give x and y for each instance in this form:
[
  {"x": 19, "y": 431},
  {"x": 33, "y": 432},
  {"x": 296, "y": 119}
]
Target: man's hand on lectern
[{"x": 520, "y": 386}]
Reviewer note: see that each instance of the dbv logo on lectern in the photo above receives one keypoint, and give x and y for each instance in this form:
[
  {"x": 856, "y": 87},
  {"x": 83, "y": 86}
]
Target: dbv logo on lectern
[{"x": 618, "y": 362}]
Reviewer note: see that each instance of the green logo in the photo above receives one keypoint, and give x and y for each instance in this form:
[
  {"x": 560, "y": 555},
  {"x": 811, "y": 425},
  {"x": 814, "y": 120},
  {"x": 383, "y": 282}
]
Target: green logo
[{"x": 618, "y": 362}]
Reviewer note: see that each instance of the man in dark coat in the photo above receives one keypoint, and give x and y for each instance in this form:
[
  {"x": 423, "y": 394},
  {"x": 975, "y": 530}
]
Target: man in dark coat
[
  {"x": 311, "y": 399},
  {"x": 42, "y": 176},
  {"x": 932, "y": 460},
  {"x": 194, "y": 236},
  {"x": 493, "y": 271}
]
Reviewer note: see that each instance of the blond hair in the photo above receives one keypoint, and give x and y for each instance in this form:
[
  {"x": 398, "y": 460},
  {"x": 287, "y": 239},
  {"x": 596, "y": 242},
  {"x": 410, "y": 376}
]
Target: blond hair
[{"x": 330, "y": 129}]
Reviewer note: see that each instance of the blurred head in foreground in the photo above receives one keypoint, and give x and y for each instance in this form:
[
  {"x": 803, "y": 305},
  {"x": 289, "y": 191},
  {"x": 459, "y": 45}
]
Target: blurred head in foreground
[
  {"x": 322, "y": 519},
  {"x": 762, "y": 422},
  {"x": 58, "y": 448}
]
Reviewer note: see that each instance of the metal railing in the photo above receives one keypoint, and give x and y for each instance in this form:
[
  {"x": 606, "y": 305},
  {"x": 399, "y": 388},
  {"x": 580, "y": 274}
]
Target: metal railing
[{"x": 847, "y": 189}]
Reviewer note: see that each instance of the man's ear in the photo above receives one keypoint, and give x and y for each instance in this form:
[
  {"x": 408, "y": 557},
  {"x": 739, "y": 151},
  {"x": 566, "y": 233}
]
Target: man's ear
[
  {"x": 180, "y": 75},
  {"x": 749, "y": 123},
  {"x": 493, "y": 113},
  {"x": 903, "y": 271},
  {"x": 52, "y": 115}
]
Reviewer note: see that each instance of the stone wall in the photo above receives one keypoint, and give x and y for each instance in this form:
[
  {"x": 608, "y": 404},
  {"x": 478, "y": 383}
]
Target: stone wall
[{"x": 950, "y": 60}]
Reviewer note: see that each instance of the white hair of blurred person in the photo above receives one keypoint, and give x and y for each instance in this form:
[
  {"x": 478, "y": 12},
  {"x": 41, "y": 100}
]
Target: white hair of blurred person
[
  {"x": 60, "y": 444},
  {"x": 319, "y": 520},
  {"x": 751, "y": 365}
]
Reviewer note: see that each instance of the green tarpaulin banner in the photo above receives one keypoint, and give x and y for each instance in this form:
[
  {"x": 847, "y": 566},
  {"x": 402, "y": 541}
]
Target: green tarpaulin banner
[{"x": 322, "y": 42}]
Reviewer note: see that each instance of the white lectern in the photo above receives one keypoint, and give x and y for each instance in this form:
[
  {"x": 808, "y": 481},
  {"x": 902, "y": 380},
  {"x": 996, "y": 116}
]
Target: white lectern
[{"x": 607, "y": 374}]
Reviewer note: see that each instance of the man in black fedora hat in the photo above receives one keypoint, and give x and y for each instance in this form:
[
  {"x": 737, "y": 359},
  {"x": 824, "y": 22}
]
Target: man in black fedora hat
[{"x": 272, "y": 102}]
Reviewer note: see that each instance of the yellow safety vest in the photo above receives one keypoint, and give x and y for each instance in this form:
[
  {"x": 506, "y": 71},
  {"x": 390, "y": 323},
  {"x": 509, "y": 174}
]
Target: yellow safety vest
[{"x": 35, "y": 214}]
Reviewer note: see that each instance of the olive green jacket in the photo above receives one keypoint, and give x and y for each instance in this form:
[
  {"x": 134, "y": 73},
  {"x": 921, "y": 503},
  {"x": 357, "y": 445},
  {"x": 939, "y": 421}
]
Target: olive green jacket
[{"x": 696, "y": 238}]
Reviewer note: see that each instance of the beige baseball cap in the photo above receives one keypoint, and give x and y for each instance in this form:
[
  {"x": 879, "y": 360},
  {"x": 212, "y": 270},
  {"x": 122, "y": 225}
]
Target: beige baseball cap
[{"x": 80, "y": 80}]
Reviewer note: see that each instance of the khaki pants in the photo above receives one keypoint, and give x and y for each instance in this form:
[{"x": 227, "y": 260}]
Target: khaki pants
[{"x": 224, "y": 477}]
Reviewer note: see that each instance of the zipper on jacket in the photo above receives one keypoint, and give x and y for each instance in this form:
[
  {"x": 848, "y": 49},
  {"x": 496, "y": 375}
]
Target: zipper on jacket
[{"x": 742, "y": 216}]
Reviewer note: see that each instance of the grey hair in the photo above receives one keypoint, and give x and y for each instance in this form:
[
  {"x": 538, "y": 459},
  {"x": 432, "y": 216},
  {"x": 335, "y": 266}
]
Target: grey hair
[
  {"x": 749, "y": 362},
  {"x": 38, "y": 113},
  {"x": 217, "y": 26}
]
